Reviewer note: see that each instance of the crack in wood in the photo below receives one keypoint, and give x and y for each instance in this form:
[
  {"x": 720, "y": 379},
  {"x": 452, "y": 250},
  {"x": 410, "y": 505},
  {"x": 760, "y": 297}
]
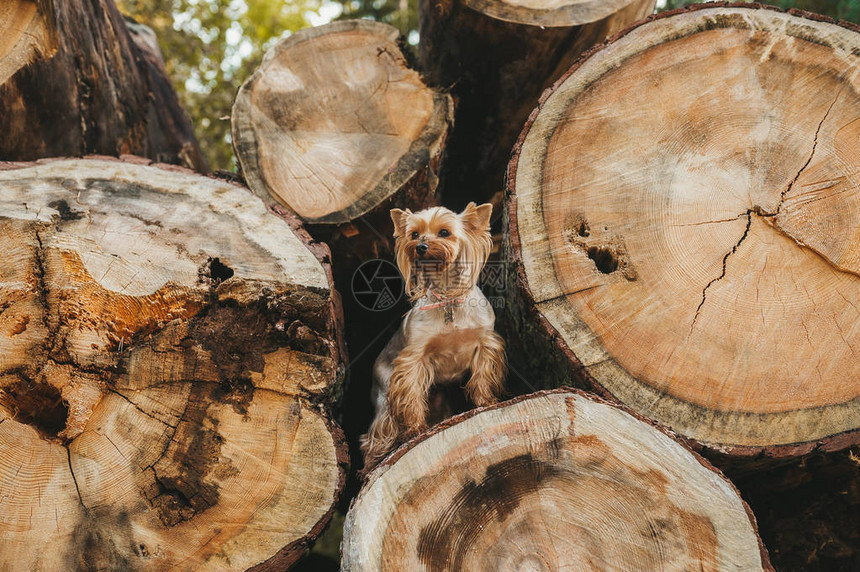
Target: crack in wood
[
  {"x": 570, "y": 293},
  {"x": 599, "y": 362},
  {"x": 811, "y": 155},
  {"x": 43, "y": 291},
  {"x": 75, "y": 479},
  {"x": 136, "y": 406},
  {"x": 704, "y": 222},
  {"x": 723, "y": 273},
  {"x": 758, "y": 210},
  {"x": 169, "y": 439},
  {"x": 118, "y": 450}
]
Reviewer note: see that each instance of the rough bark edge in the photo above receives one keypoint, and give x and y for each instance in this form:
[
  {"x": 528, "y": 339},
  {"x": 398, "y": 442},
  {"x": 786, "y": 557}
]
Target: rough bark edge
[
  {"x": 685, "y": 443},
  {"x": 409, "y": 167},
  {"x": 575, "y": 371},
  {"x": 563, "y": 17},
  {"x": 286, "y": 557},
  {"x": 320, "y": 250}
]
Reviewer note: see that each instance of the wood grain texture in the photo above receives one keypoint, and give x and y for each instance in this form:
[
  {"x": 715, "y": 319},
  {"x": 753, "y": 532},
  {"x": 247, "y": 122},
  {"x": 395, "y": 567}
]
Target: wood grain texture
[
  {"x": 167, "y": 356},
  {"x": 697, "y": 261},
  {"x": 23, "y": 36},
  {"x": 86, "y": 87},
  {"x": 546, "y": 482},
  {"x": 497, "y": 66},
  {"x": 334, "y": 122}
]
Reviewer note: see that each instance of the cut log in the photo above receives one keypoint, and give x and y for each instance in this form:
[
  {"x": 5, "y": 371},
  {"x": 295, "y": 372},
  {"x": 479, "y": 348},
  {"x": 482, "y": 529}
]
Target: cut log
[
  {"x": 73, "y": 82},
  {"x": 334, "y": 124},
  {"x": 167, "y": 351},
  {"x": 552, "y": 481},
  {"x": 699, "y": 259},
  {"x": 497, "y": 57}
]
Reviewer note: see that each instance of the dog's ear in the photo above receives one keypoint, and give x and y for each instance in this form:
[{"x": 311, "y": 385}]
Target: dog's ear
[
  {"x": 398, "y": 217},
  {"x": 477, "y": 217}
]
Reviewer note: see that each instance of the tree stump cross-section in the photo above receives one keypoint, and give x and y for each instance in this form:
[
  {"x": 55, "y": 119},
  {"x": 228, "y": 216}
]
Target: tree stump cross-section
[
  {"x": 334, "y": 122},
  {"x": 550, "y": 481},
  {"x": 685, "y": 222},
  {"x": 167, "y": 350}
]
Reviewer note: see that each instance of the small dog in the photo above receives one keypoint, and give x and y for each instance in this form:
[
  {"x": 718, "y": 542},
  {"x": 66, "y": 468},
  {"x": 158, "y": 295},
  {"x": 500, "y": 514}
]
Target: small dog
[{"x": 448, "y": 331}]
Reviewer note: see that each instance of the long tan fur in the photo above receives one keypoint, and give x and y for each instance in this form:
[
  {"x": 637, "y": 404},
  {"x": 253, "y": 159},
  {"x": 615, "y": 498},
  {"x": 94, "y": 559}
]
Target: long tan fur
[{"x": 449, "y": 330}]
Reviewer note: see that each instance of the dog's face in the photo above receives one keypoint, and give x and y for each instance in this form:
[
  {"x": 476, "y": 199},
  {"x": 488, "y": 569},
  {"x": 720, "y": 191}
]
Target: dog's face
[
  {"x": 431, "y": 241},
  {"x": 432, "y": 235}
]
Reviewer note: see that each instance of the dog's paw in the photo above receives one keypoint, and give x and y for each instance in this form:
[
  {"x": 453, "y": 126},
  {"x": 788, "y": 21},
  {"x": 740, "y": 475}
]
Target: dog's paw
[{"x": 483, "y": 401}]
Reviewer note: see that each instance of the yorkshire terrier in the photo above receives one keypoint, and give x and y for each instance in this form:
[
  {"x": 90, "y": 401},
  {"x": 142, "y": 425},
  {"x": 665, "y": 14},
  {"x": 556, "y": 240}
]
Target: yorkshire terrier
[{"x": 448, "y": 331}]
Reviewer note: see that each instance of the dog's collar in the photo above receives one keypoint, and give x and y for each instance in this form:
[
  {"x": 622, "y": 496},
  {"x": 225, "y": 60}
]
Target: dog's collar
[
  {"x": 447, "y": 303},
  {"x": 443, "y": 301}
]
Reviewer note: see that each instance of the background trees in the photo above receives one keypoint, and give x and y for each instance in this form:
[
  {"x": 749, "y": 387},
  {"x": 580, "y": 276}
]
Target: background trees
[{"x": 211, "y": 46}]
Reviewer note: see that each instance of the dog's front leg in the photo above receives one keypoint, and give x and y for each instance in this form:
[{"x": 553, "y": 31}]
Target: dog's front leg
[
  {"x": 380, "y": 439},
  {"x": 489, "y": 367},
  {"x": 408, "y": 390}
]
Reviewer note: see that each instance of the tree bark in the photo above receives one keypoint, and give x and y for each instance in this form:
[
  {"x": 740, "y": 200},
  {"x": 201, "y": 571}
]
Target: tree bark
[
  {"x": 168, "y": 351},
  {"x": 334, "y": 125},
  {"x": 73, "y": 82},
  {"x": 699, "y": 261},
  {"x": 168, "y": 129},
  {"x": 549, "y": 481},
  {"x": 497, "y": 58}
]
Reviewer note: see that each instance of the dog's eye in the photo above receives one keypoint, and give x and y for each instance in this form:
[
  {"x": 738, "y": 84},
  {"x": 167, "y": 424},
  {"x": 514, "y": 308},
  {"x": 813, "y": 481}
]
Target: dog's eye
[
  {"x": 415, "y": 235},
  {"x": 444, "y": 233}
]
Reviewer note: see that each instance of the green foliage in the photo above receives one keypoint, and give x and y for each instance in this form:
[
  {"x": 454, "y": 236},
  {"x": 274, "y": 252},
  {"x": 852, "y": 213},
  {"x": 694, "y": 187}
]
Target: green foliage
[
  {"x": 840, "y": 9},
  {"x": 210, "y": 47},
  {"x": 402, "y": 14}
]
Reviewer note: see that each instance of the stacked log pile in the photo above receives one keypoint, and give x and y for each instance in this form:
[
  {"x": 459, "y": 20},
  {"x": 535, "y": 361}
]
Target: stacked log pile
[{"x": 680, "y": 239}]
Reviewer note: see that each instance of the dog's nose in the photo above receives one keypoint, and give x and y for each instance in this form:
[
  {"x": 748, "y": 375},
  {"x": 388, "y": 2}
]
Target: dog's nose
[{"x": 421, "y": 249}]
